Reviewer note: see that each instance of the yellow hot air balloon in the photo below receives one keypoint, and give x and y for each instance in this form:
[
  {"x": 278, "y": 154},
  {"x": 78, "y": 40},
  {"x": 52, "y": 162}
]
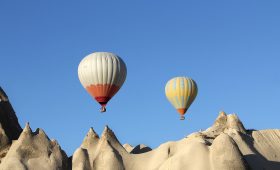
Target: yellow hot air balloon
[
  {"x": 102, "y": 74},
  {"x": 181, "y": 92}
]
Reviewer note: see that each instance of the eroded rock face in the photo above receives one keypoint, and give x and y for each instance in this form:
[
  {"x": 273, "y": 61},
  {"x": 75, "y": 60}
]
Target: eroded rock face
[
  {"x": 96, "y": 153},
  {"x": 225, "y": 122},
  {"x": 8, "y": 118},
  {"x": 34, "y": 150},
  {"x": 225, "y": 154},
  {"x": 9, "y": 126},
  {"x": 225, "y": 145},
  {"x": 4, "y": 140}
]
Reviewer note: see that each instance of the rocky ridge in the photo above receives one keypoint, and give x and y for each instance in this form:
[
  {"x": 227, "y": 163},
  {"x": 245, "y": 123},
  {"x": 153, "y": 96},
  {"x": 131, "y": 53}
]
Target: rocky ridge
[{"x": 224, "y": 145}]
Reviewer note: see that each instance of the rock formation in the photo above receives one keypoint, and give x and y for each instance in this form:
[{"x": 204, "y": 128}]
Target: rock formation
[
  {"x": 225, "y": 145},
  {"x": 9, "y": 126},
  {"x": 8, "y": 119},
  {"x": 34, "y": 150},
  {"x": 24, "y": 149},
  {"x": 95, "y": 152}
]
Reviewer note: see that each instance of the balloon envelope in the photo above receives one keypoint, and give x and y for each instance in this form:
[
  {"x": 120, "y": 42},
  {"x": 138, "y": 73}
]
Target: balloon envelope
[
  {"x": 102, "y": 74},
  {"x": 181, "y": 92}
]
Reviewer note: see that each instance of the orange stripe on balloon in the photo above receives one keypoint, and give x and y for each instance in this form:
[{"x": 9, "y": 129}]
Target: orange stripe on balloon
[
  {"x": 102, "y": 90},
  {"x": 182, "y": 111}
]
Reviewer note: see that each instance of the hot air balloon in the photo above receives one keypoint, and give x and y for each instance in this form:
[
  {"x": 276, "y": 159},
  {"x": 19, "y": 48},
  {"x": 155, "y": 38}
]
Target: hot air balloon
[
  {"x": 181, "y": 92},
  {"x": 102, "y": 74}
]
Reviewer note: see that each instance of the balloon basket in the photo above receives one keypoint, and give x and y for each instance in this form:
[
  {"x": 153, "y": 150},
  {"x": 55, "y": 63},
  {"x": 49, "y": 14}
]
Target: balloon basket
[
  {"x": 103, "y": 109},
  {"x": 182, "y": 117}
]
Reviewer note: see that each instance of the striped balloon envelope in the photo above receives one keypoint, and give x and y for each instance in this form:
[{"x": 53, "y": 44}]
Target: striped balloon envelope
[
  {"x": 102, "y": 74},
  {"x": 181, "y": 92}
]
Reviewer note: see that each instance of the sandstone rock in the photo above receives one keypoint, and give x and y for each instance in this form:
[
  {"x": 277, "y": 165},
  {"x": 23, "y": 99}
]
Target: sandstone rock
[{"x": 34, "y": 150}]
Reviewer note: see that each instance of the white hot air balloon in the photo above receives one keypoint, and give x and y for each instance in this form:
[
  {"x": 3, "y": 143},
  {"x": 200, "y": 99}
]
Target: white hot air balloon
[{"x": 102, "y": 74}]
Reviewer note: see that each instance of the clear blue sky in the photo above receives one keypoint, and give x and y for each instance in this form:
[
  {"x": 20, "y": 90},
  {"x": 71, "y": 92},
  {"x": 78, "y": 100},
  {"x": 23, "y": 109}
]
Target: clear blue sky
[{"x": 230, "y": 48}]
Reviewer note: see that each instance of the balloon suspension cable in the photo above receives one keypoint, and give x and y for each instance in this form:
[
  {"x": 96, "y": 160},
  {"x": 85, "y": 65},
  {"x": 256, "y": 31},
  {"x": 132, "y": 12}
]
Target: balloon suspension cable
[
  {"x": 103, "y": 109},
  {"x": 182, "y": 117}
]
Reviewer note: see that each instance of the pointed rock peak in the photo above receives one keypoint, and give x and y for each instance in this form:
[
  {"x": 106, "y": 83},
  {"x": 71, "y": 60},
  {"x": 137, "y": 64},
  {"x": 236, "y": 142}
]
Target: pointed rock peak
[
  {"x": 3, "y": 95},
  {"x": 225, "y": 122},
  {"x": 221, "y": 119},
  {"x": 41, "y": 132},
  {"x": 222, "y": 114},
  {"x": 107, "y": 130},
  {"x": 234, "y": 122},
  {"x": 91, "y": 130},
  {"x": 27, "y": 132},
  {"x": 233, "y": 117},
  {"x": 108, "y": 133},
  {"x": 92, "y": 133},
  {"x": 27, "y": 128},
  {"x": 90, "y": 139}
]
